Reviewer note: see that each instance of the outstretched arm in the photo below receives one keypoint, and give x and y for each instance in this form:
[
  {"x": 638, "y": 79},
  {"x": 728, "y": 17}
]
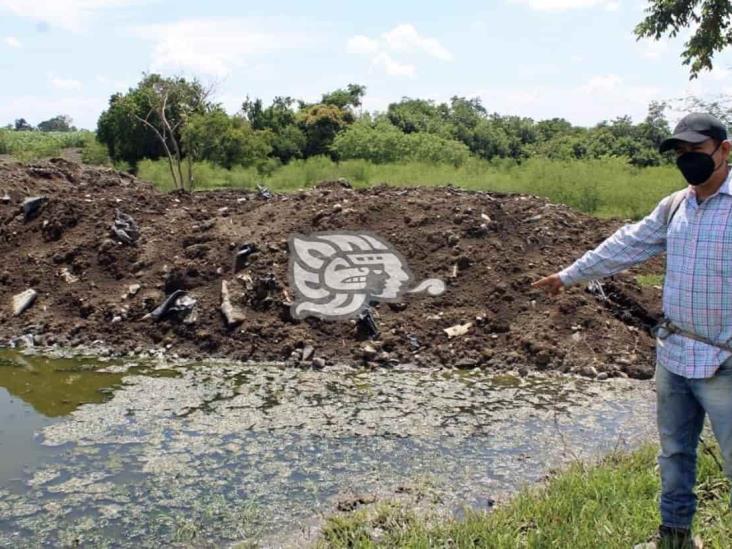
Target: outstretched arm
[{"x": 631, "y": 244}]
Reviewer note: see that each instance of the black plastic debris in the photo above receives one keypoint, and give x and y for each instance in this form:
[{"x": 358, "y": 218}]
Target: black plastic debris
[
  {"x": 244, "y": 251},
  {"x": 263, "y": 191},
  {"x": 367, "y": 323},
  {"x": 124, "y": 228},
  {"x": 262, "y": 291},
  {"x": 177, "y": 304},
  {"x": 32, "y": 207}
]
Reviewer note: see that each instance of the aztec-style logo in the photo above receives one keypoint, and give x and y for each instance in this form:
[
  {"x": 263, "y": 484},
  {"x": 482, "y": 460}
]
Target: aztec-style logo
[{"x": 336, "y": 274}]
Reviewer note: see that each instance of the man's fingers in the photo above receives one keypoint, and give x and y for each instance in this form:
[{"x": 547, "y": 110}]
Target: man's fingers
[{"x": 552, "y": 284}]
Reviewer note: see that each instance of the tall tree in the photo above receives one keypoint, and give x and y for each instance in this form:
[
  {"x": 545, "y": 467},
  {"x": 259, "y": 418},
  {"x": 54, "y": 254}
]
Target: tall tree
[{"x": 148, "y": 120}]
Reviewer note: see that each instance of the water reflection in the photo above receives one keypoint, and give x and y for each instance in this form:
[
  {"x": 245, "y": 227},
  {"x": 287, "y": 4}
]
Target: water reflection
[{"x": 55, "y": 386}]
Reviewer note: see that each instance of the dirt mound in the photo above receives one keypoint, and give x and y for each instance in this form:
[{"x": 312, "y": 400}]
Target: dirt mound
[{"x": 96, "y": 284}]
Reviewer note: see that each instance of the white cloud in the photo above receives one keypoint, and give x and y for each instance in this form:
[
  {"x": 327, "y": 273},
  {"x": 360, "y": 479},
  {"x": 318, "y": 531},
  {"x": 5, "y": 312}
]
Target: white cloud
[
  {"x": 401, "y": 40},
  {"x": 406, "y": 39},
  {"x": 12, "y": 41},
  {"x": 66, "y": 84},
  {"x": 392, "y": 67},
  {"x": 68, "y": 14},
  {"x": 362, "y": 45},
  {"x": 214, "y": 46},
  {"x": 564, "y": 5}
]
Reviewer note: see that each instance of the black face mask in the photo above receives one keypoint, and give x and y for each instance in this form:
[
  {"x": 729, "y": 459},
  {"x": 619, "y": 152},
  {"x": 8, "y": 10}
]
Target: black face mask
[{"x": 697, "y": 167}]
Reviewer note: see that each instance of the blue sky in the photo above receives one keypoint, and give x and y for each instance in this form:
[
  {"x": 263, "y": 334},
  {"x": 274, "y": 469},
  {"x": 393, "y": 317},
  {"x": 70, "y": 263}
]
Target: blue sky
[{"x": 541, "y": 58}]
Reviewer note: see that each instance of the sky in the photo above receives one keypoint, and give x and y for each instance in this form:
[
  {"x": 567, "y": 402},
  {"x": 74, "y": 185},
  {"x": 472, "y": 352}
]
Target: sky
[{"x": 576, "y": 59}]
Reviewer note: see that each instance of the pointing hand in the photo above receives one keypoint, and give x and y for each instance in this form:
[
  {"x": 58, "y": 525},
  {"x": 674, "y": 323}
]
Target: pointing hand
[{"x": 551, "y": 284}]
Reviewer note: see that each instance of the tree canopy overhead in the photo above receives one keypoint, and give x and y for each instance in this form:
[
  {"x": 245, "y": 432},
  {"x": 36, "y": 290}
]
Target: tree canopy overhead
[{"x": 711, "y": 19}]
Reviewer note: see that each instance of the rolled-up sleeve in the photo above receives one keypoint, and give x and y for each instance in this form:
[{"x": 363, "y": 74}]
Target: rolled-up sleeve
[{"x": 631, "y": 244}]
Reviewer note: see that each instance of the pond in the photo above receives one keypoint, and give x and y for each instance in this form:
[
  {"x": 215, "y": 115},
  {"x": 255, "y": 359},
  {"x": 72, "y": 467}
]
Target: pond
[{"x": 100, "y": 452}]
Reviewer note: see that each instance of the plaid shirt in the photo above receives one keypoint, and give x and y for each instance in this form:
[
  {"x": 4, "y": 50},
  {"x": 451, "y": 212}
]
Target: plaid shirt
[{"x": 697, "y": 290}]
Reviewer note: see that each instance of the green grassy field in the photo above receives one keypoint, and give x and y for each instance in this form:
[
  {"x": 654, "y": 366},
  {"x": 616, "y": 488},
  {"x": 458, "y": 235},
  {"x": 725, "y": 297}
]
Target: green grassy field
[
  {"x": 32, "y": 145},
  {"x": 606, "y": 188},
  {"x": 608, "y": 505}
]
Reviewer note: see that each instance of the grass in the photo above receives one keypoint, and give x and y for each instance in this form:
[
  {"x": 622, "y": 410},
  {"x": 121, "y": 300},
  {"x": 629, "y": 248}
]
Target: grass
[
  {"x": 605, "y": 188},
  {"x": 609, "y": 504},
  {"x": 650, "y": 280},
  {"x": 32, "y": 145}
]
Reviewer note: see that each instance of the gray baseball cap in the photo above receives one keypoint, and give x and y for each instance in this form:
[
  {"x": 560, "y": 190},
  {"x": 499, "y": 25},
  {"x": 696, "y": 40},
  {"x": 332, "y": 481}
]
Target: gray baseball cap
[{"x": 695, "y": 128}]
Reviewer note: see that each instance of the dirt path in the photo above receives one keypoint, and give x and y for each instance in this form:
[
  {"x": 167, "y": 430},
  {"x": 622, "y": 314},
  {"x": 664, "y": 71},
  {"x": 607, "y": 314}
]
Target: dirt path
[{"x": 93, "y": 288}]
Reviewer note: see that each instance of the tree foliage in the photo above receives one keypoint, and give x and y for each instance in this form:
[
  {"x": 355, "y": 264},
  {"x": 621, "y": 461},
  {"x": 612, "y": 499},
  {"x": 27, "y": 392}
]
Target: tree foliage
[
  {"x": 60, "y": 123},
  {"x": 21, "y": 125},
  {"x": 128, "y": 127},
  {"x": 225, "y": 140},
  {"x": 383, "y": 142},
  {"x": 711, "y": 19},
  {"x": 173, "y": 118},
  {"x": 288, "y": 139}
]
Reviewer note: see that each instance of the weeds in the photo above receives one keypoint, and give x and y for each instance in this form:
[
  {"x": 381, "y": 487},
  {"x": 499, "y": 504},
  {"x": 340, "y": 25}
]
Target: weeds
[{"x": 606, "y": 188}]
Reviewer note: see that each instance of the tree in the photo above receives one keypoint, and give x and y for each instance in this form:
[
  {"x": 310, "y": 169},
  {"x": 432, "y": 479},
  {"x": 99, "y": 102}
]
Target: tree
[
  {"x": 320, "y": 124},
  {"x": 288, "y": 140},
  {"x": 60, "y": 123},
  {"x": 147, "y": 121},
  {"x": 383, "y": 142},
  {"x": 21, "y": 125},
  {"x": 350, "y": 97},
  {"x": 225, "y": 140},
  {"x": 419, "y": 115},
  {"x": 719, "y": 107},
  {"x": 710, "y": 17}
]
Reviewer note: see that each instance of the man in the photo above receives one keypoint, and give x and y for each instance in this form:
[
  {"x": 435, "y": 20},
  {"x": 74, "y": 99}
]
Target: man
[{"x": 693, "y": 373}]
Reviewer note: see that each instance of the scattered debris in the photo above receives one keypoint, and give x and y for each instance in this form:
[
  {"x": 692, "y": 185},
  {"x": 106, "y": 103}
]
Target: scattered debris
[
  {"x": 497, "y": 253},
  {"x": 233, "y": 315},
  {"x": 32, "y": 207},
  {"x": 177, "y": 304},
  {"x": 244, "y": 251},
  {"x": 23, "y": 301},
  {"x": 68, "y": 276},
  {"x": 263, "y": 191},
  {"x": 307, "y": 352},
  {"x": 458, "y": 329},
  {"x": 133, "y": 290},
  {"x": 367, "y": 323},
  {"x": 124, "y": 228}
]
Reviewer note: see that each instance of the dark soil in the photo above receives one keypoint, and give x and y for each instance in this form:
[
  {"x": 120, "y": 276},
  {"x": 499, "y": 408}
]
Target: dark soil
[{"x": 189, "y": 242}]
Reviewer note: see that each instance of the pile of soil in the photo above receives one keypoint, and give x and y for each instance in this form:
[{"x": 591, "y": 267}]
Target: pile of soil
[{"x": 94, "y": 287}]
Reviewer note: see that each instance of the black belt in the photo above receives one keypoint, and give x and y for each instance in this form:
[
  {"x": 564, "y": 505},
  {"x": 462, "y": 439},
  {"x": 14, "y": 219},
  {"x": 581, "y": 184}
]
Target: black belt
[{"x": 671, "y": 328}]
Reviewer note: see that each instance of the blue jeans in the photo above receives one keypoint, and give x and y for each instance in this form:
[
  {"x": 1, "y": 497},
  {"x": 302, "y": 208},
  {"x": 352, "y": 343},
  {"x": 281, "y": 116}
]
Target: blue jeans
[{"x": 681, "y": 406}]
